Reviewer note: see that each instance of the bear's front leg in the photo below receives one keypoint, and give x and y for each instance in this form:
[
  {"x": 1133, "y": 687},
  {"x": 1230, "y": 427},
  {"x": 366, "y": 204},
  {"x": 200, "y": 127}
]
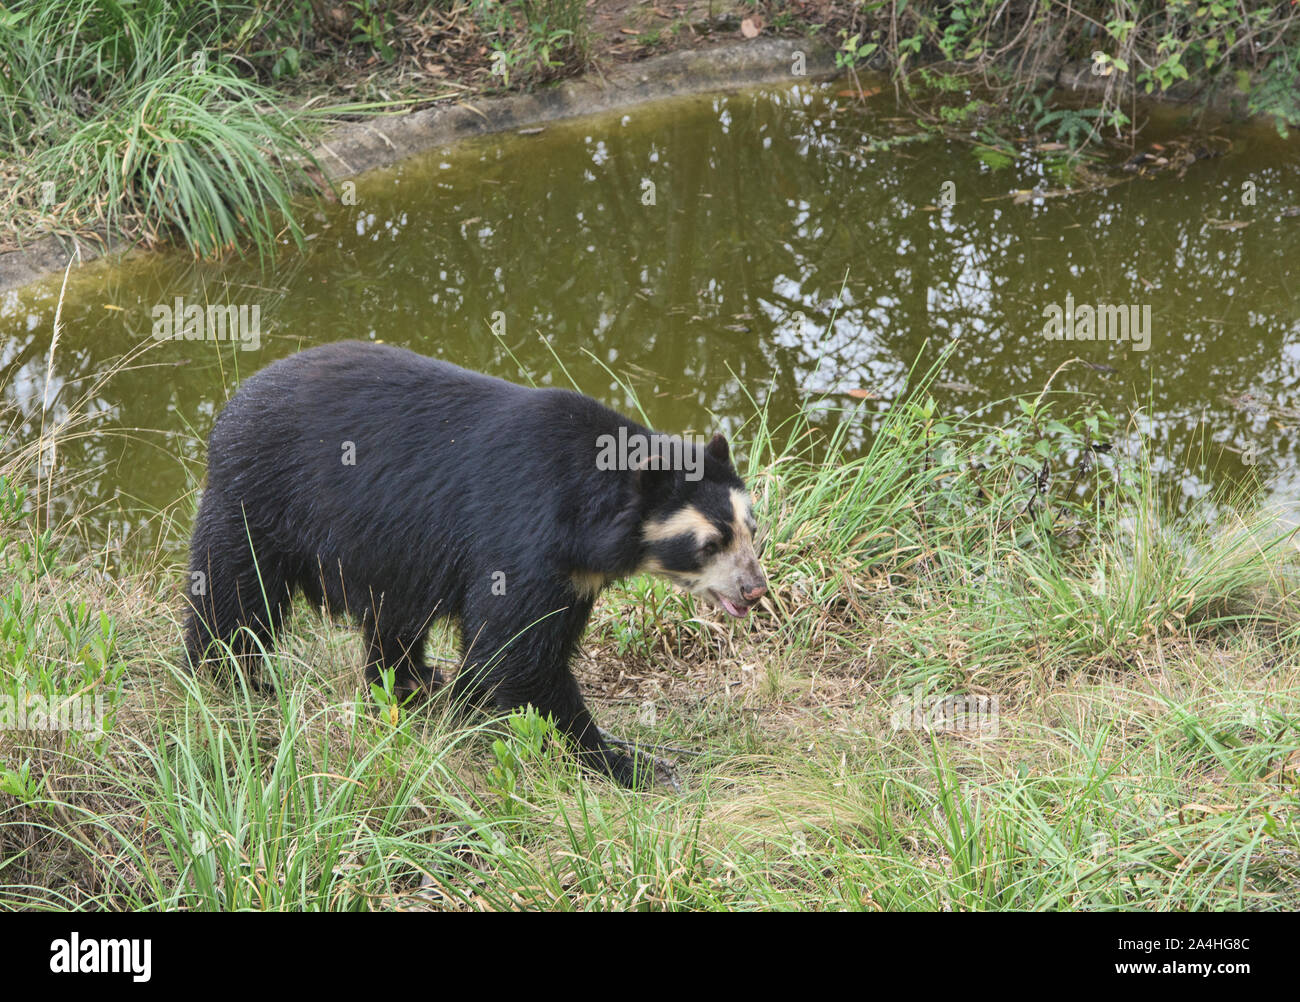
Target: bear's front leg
[
  {"x": 560, "y": 699},
  {"x": 530, "y": 667},
  {"x": 420, "y": 682}
]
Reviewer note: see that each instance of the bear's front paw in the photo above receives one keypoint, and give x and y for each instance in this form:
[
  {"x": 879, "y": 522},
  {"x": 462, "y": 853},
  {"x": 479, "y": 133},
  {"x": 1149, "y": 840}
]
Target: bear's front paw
[{"x": 638, "y": 771}]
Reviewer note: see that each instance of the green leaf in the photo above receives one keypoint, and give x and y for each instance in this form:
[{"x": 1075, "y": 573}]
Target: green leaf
[{"x": 993, "y": 159}]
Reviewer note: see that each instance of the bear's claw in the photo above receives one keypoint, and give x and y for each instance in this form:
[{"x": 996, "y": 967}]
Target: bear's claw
[{"x": 630, "y": 769}]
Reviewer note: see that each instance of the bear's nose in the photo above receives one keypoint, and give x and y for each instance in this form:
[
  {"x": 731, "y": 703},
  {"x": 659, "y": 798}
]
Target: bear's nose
[{"x": 755, "y": 593}]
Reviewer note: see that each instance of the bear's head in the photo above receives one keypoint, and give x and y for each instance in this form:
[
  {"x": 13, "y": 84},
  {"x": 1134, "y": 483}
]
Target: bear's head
[{"x": 698, "y": 527}]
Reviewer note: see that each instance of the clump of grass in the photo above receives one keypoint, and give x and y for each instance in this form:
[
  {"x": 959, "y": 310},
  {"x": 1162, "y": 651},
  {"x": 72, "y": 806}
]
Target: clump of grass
[
  {"x": 137, "y": 118},
  {"x": 187, "y": 154},
  {"x": 535, "y": 41}
]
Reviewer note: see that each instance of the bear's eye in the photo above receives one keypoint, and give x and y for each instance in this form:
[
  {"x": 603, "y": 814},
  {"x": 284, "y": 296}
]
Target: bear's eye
[{"x": 710, "y": 549}]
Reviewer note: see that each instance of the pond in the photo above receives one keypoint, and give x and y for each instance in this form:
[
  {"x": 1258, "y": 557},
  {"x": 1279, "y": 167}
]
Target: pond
[{"x": 706, "y": 249}]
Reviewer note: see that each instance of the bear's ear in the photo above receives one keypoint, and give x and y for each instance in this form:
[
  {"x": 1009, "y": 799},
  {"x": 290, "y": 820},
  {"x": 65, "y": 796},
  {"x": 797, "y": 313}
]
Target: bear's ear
[
  {"x": 653, "y": 477},
  {"x": 718, "y": 448}
]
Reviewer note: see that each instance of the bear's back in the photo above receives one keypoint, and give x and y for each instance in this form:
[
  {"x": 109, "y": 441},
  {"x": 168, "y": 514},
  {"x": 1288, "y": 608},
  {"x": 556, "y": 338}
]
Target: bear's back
[{"x": 374, "y": 442}]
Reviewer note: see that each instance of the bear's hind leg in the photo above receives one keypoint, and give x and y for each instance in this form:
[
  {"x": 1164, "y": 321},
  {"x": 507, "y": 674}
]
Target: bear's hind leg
[
  {"x": 405, "y": 655},
  {"x": 236, "y": 600}
]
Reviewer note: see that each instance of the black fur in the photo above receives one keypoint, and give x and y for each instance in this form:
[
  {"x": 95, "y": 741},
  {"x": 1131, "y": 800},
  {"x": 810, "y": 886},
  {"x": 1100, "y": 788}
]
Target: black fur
[{"x": 457, "y": 476}]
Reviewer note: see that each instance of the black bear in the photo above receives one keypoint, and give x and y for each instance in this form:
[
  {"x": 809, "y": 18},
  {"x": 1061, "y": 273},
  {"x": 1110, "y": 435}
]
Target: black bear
[{"x": 400, "y": 489}]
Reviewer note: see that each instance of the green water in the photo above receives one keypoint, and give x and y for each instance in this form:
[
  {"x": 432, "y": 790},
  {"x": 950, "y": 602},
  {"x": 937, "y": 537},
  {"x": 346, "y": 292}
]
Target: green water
[{"x": 780, "y": 258}]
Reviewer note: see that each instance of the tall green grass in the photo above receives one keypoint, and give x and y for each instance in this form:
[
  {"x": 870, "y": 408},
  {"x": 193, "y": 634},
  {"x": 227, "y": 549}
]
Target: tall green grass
[
  {"x": 1047, "y": 538},
  {"x": 982, "y": 56},
  {"x": 142, "y": 118}
]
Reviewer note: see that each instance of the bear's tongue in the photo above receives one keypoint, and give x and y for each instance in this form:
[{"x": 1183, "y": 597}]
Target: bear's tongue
[{"x": 738, "y": 613}]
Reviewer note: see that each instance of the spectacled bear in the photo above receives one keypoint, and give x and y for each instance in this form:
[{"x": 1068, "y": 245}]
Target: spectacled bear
[{"x": 399, "y": 489}]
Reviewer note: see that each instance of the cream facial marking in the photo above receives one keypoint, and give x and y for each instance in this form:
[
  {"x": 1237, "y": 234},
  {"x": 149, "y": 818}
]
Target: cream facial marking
[
  {"x": 651, "y": 565},
  {"x": 679, "y": 523},
  {"x": 743, "y": 524},
  {"x": 730, "y": 577}
]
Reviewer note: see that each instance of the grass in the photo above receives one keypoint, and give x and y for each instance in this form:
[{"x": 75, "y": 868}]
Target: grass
[
  {"x": 145, "y": 123},
  {"x": 1140, "y": 749},
  {"x": 535, "y": 41},
  {"x": 1012, "y": 54},
  {"x": 194, "y": 120}
]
